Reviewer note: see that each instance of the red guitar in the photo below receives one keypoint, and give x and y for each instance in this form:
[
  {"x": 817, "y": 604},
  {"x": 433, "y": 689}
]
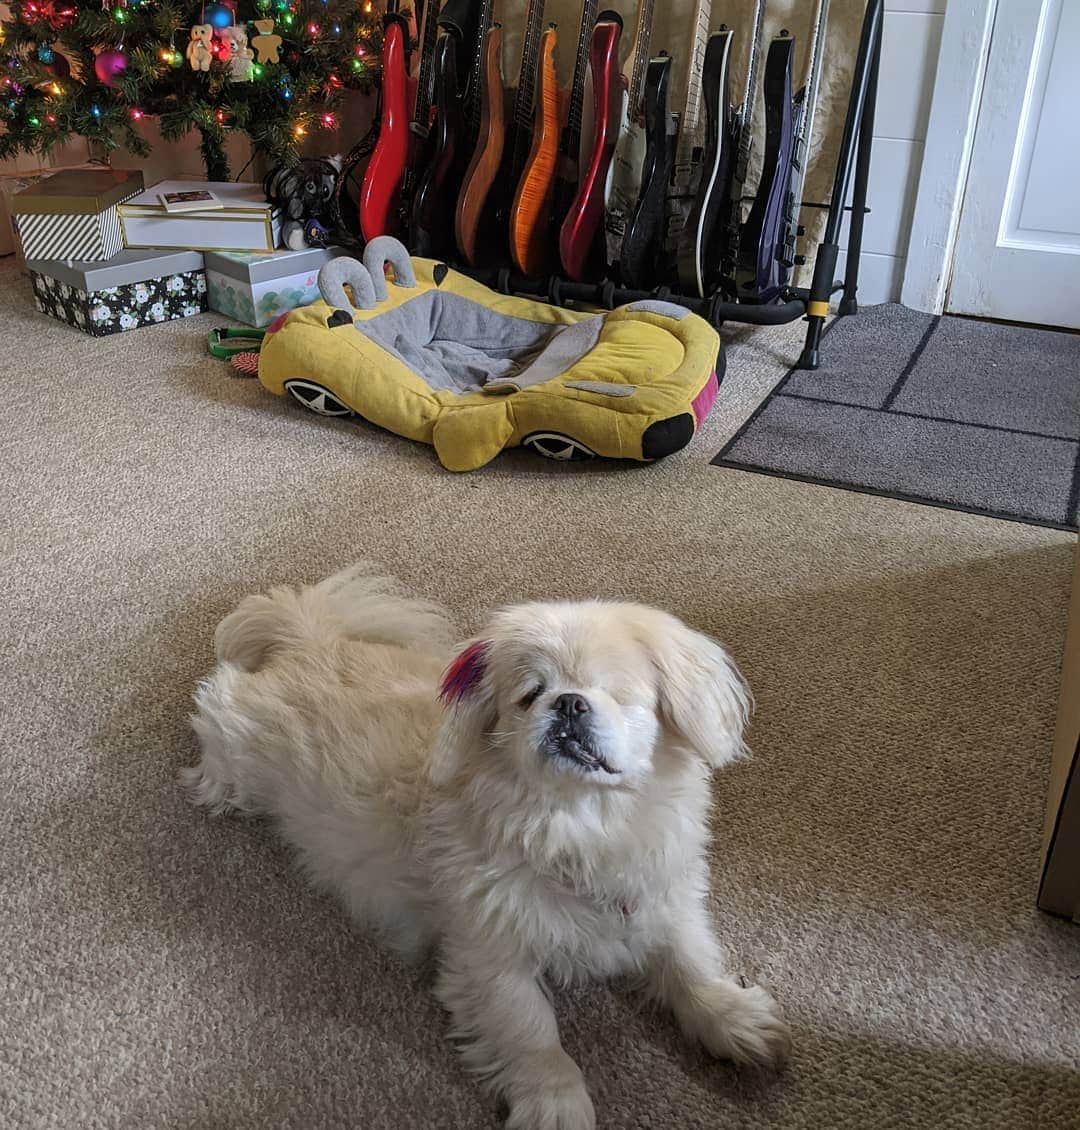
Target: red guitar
[
  {"x": 383, "y": 175},
  {"x": 578, "y": 237}
]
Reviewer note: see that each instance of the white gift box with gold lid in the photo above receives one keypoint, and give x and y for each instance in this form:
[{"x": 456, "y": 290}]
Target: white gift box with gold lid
[{"x": 246, "y": 221}]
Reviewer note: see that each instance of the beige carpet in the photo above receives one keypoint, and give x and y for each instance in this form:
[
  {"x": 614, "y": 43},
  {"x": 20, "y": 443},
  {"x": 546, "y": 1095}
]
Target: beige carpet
[{"x": 874, "y": 864}]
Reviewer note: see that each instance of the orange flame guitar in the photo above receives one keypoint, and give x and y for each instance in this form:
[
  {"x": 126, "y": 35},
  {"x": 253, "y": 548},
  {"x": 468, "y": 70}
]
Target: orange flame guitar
[{"x": 530, "y": 218}]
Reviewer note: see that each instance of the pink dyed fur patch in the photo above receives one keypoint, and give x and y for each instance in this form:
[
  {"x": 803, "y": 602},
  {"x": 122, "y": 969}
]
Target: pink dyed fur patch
[
  {"x": 465, "y": 672},
  {"x": 705, "y": 399}
]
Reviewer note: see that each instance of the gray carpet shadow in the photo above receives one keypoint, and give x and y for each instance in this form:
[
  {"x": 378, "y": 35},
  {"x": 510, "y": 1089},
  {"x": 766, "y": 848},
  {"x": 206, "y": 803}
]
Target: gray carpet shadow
[
  {"x": 969, "y": 415},
  {"x": 914, "y": 785}
]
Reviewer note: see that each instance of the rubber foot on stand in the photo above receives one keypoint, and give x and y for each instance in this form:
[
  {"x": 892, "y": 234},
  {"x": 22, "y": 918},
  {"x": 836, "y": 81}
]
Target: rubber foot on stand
[{"x": 809, "y": 359}]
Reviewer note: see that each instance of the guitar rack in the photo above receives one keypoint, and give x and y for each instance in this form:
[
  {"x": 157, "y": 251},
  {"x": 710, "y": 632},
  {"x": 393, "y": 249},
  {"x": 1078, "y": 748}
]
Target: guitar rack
[{"x": 793, "y": 302}]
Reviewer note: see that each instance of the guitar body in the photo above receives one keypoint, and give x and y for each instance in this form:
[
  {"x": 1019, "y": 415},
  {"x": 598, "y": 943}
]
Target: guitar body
[
  {"x": 487, "y": 157},
  {"x": 384, "y": 173},
  {"x": 693, "y": 261},
  {"x": 761, "y": 275},
  {"x": 643, "y": 243},
  {"x": 624, "y": 179},
  {"x": 530, "y": 216},
  {"x": 578, "y": 242},
  {"x": 431, "y": 230}
]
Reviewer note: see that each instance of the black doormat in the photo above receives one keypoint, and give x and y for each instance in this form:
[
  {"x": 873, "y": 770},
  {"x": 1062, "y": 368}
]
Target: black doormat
[{"x": 974, "y": 416}]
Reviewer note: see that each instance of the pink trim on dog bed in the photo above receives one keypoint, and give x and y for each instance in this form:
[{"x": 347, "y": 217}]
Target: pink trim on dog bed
[{"x": 705, "y": 399}]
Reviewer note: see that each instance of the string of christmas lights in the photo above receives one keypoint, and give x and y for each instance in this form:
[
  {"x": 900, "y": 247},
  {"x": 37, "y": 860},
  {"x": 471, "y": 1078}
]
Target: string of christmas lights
[{"x": 272, "y": 69}]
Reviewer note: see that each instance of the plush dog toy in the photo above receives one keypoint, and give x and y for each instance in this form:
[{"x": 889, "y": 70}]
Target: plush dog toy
[
  {"x": 240, "y": 55},
  {"x": 198, "y": 50},
  {"x": 305, "y": 193}
]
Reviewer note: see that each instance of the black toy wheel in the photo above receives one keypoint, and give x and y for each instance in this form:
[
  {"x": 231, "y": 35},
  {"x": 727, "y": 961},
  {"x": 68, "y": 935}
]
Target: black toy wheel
[
  {"x": 555, "y": 445},
  {"x": 317, "y": 398}
]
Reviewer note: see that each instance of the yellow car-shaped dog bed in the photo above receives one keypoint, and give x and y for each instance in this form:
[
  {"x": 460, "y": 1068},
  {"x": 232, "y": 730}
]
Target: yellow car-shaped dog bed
[{"x": 439, "y": 358}]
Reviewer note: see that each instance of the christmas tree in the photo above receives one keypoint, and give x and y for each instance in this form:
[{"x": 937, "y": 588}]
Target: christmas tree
[{"x": 274, "y": 69}]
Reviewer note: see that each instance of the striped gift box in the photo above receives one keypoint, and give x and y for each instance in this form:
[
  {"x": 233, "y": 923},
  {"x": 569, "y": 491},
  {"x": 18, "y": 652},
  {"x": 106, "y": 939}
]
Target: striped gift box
[{"x": 72, "y": 214}]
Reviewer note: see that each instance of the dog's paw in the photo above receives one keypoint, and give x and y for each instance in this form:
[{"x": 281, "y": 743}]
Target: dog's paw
[
  {"x": 741, "y": 1024},
  {"x": 555, "y": 1098},
  {"x": 553, "y": 1110}
]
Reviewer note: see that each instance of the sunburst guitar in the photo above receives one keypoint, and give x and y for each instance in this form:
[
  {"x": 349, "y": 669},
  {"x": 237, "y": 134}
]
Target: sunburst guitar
[{"x": 487, "y": 156}]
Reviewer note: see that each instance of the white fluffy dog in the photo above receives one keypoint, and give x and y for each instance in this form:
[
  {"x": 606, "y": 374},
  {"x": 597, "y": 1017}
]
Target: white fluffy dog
[{"x": 543, "y": 818}]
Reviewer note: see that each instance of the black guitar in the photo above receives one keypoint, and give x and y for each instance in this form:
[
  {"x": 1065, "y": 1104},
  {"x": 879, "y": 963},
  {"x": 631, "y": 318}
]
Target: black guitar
[
  {"x": 431, "y": 228},
  {"x": 757, "y": 273},
  {"x": 643, "y": 242},
  {"x": 420, "y": 126},
  {"x": 431, "y": 225},
  {"x": 767, "y": 241},
  {"x": 693, "y": 262}
]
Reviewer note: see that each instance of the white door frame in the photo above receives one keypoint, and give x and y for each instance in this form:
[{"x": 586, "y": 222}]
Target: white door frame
[{"x": 950, "y": 139}]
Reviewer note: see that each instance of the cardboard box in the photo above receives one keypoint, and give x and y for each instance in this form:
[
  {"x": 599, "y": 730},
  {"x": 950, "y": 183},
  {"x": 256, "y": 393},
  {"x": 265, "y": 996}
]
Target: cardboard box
[
  {"x": 247, "y": 222},
  {"x": 1059, "y": 887},
  {"x": 72, "y": 215},
  {"x": 255, "y": 289},
  {"x": 134, "y": 289}
]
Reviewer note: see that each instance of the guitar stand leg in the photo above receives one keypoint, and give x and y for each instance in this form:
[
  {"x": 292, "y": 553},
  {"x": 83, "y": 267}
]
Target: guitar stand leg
[
  {"x": 848, "y": 300},
  {"x": 817, "y": 305}
]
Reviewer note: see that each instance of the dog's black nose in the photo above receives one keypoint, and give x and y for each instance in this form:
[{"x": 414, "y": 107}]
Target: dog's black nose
[{"x": 571, "y": 705}]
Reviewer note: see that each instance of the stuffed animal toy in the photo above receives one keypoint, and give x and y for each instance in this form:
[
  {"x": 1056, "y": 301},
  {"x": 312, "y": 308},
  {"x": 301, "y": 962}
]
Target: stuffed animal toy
[
  {"x": 198, "y": 50},
  {"x": 266, "y": 44},
  {"x": 305, "y": 193},
  {"x": 240, "y": 55}
]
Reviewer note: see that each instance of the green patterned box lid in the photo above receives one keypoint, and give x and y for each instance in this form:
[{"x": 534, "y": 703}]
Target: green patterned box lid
[{"x": 253, "y": 267}]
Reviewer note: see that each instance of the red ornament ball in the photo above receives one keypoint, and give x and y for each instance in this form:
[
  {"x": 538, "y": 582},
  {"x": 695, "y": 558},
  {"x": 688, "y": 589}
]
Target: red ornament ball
[
  {"x": 55, "y": 13},
  {"x": 108, "y": 66}
]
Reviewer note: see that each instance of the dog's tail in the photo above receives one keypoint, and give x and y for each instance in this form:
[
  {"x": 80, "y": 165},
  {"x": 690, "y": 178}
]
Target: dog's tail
[{"x": 357, "y": 603}]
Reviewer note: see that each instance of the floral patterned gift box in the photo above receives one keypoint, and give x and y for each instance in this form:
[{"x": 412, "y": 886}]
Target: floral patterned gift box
[
  {"x": 133, "y": 289},
  {"x": 255, "y": 289}
]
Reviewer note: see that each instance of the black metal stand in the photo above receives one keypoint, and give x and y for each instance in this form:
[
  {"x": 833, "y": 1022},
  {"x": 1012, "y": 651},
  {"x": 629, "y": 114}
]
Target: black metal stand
[
  {"x": 794, "y": 302},
  {"x": 858, "y": 130},
  {"x": 849, "y": 303}
]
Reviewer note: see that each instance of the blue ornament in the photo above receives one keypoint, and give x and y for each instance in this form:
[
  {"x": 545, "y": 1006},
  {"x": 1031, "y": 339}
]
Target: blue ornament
[
  {"x": 45, "y": 54},
  {"x": 218, "y": 15}
]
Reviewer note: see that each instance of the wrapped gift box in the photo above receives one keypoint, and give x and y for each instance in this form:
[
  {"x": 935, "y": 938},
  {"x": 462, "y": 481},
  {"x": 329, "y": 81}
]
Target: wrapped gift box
[
  {"x": 255, "y": 289},
  {"x": 72, "y": 215},
  {"x": 13, "y": 183},
  {"x": 134, "y": 289},
  {"x": 245, "y": 222}
]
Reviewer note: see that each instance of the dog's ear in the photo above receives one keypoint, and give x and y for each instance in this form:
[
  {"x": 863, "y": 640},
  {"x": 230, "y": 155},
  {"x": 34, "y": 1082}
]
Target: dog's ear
[
  {"x": 703, "y": 698},
  {"x": 469, "y": 711}
]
